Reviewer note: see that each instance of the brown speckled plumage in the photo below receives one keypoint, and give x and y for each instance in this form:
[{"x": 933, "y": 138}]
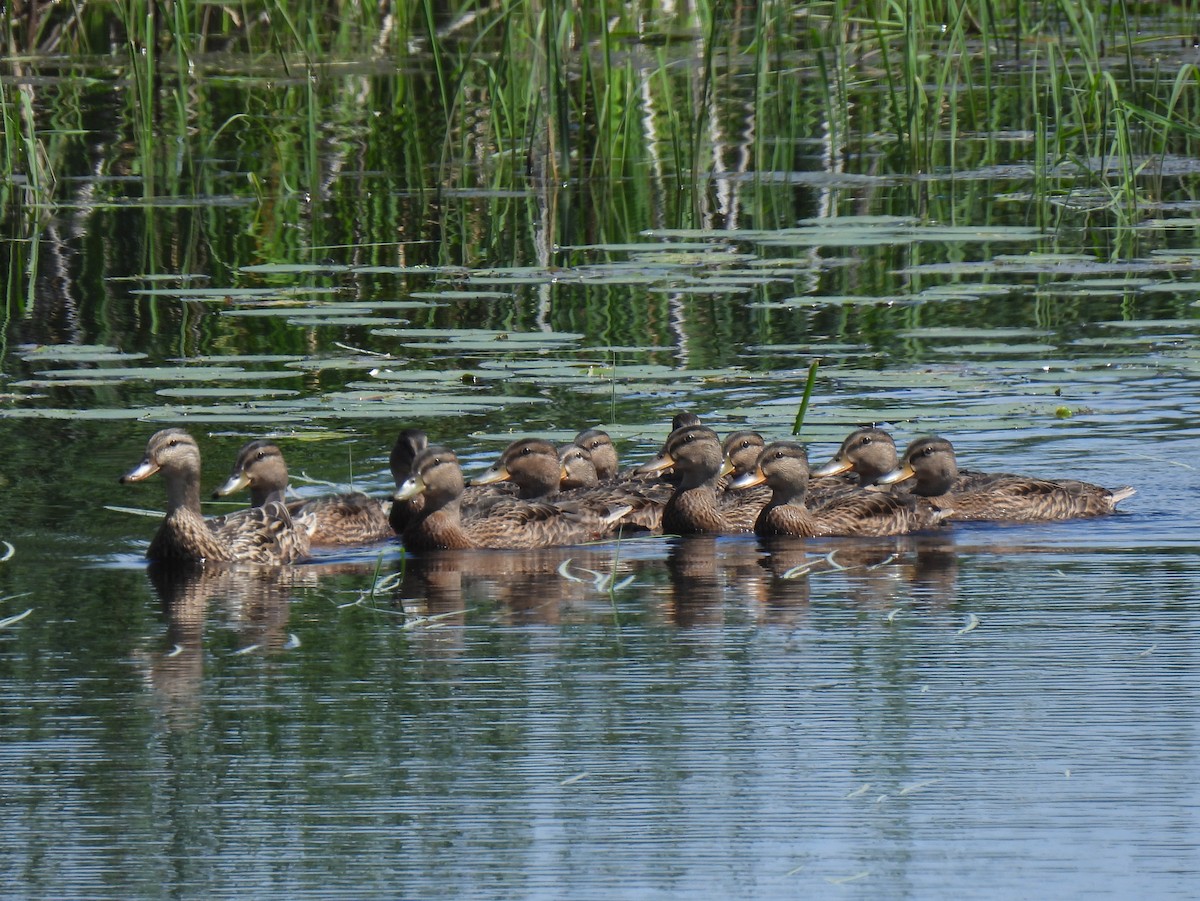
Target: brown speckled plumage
[
  {"x": 931, "y": 463},
  {"x": 506, "y": 523},
  {"x": 264, "y": 535},
  {"x": 783, "y": 465},
  {"x": 330, "y": 521},
  {"x": 698, "y": 505}
]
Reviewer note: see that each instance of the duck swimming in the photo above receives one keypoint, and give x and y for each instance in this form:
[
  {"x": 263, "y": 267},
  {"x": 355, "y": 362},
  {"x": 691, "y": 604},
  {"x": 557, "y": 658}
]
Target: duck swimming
[
  {"x": 930, "y": 462},
  {"x": 508, "y": 523},
  {"x": 698, "y": 505},
  {"x": 332, "y": 520},
  {"x": 534, "y": 465},
  {"x": 783, "y": 465},
  {"x": 603, "y": 454},
  {"x": 264, "y": 535}
]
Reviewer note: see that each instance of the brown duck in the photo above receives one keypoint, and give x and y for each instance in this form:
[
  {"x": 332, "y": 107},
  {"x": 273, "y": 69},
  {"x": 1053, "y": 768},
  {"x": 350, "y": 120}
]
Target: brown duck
[
  {"x": 783, "y": 465},
  {"x": 533, "y": 464},
  {"x": 330, "y": 521},
  {"x": 507, "y": 523},
  {"x": 931, "y": 463},
  {"x": 264, "y": 535},
  {"x": 578, "y": 468},
  {"x": 411, "y": 442},
  {"x": 698, "y": 505},
  {"x": 603, "y": 454},
  {"x": 870, "y": 453}
]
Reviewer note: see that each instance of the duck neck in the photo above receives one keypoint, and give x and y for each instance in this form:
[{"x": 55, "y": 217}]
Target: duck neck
[
  {"x": 796, "y": 495},
  {"x": 262, "y": 495},
  {"x": 183, "y": 490}
]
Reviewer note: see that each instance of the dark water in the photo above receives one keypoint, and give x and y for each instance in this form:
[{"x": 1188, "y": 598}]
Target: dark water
[{"x": 986, "y": 712}]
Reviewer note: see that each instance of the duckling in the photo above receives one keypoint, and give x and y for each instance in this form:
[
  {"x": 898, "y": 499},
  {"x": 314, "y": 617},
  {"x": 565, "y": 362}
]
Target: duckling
[
  {"x": 437, "y": 476},
  {"x": 930, "y": 461},
  {"x": 784, "y": 466},
  {"x": 330, "y": 521},
  {"x": 265, "y": 534},
  {"x": 409, "y": 443},
  {"x": 697, "y": 505},
  {"x": 603, "y": 453}
]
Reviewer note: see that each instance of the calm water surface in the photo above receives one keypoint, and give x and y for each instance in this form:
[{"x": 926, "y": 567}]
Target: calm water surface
[{"x": 990, "y": 711}]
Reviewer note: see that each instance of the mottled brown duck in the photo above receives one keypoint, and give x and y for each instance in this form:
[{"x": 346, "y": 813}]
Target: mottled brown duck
[
  {"x": 698, "y": 505},
  {"x": 783, "y": 465},
  {"x": 741, "y": 450},
  {"x": 333, "y": 520},
  {"x": 869, "y": 453},
  {"x": 578, "y": 469},
  {"x": 411, "y": 442},
  {"x": 510, "y": 523},
  {"x": 534, "y": 465},
  {"x": 930, "y": 462},
  {"x": 531, "y": 464},
  {"x": 263, "y": 535},
  {"x": 603, "y": 454}
]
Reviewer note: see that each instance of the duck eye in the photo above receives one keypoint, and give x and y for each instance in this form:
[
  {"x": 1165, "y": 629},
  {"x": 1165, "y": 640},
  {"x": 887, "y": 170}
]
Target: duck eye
[{"x": 866, "y": 439}]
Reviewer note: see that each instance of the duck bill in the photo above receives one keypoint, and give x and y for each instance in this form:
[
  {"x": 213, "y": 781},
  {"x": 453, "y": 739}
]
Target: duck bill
[
  {"x": 749, "y": 480},
  {"x": 896, "y": 475},
  {"x": 237, "y": 482},
  {"x": 497, "y": 473},
  {"x": 563, "y": 475},
  {"x": 727, "y": 467},
  {"x": 663, "y": 463},
  {"x": 834, "y": 467},
  {"x": 143, "y": 470},
  {"x": 410, "y": 489}
]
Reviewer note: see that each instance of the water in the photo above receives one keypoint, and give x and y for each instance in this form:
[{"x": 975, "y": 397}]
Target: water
[{"x": 989, "y": 711}]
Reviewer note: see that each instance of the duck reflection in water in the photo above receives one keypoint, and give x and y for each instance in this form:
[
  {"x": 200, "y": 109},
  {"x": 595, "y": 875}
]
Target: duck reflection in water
[
  {"x": 256, "y": 603},
  {"x": 547, "y": 586}
]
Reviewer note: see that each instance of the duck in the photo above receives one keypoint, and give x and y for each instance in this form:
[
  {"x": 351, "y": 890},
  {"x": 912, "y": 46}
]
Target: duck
[
  {"x": 931, "y": 463},
  {"x": 867, "y": 453},
  {"x": 680, "y": 420},
  {"x": 331, "y": 521},
  {"x": 870, "y": 453},
  {"x": 783, "y": 465},
  {"x": 599, "y": 445},
  {"x": 409, "y": 443},
  {"x": 509, "y": 523},
  {"x": 578, "y": 468},
  {"x": 533, "y": 464},
  {"x": 698, "y": 505},
  {"x": 741, "y": 449},
  {"x": 262, "y": 535}
]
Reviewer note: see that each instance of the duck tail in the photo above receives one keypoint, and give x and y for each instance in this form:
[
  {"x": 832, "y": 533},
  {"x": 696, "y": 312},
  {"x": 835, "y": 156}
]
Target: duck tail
[{"x": 1120, "y": 494}]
